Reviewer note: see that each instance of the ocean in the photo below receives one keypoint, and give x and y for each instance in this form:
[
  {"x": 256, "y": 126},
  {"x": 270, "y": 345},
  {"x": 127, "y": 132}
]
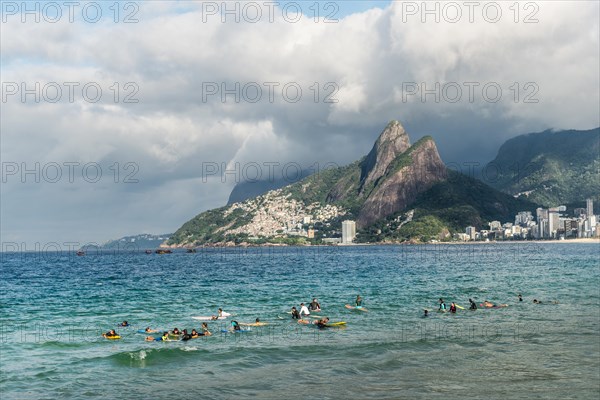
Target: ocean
[{"x": 54, "y": 307}]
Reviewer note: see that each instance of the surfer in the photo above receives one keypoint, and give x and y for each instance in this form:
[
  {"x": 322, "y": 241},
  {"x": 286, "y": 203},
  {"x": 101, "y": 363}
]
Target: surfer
[
  {"x": 358, "y": 301},
  {"x": 205, "y": 331},
  {"x": 176, "y": 332},
  {"x": 188, "y": 336},
  {"x": 473, "y": 306},
  {"x": 425, "y": 313},
  {"x": 442, "y": 305},
  {"x": 235, "y": 326},
  {"x": 520, "y": 297},
  {"x": 295, "y": 313},
  {"x": 304, "y": 310},
  {"x": 219, "y": 315},
  {"x": 124, "y": 323},
  {"x": 314, "y": 305},
  {"x": 165, "y": 337},
  {"x": 536, "y": 301},
  {"x": 489, "y": 304},
  {"x": 321, "y": 323},
  {"x": 453, "y": 308},
  {"x": 149, "y": 330},
  {"x": 110, "y": 334}
]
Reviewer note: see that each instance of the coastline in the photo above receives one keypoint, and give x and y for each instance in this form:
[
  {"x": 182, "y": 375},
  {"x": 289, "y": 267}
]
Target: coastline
[
  {"x": 552, "y": 241},
  {"x": 472, "y": 242}
]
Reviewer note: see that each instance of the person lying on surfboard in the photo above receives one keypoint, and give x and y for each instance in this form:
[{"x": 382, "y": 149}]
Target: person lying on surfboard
[
  {"x": 164, "y": 337},
  {"x": 110, "y": 334},
  {"x": 149, "y": 330},
  {"x": 489, "y": 304},
  {"x": 319, "y": 322},
  {"x": 255, "y": 323}
]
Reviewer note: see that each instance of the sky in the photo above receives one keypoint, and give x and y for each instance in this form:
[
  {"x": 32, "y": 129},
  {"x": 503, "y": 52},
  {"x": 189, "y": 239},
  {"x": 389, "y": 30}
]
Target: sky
[{"x": 127, "y": 119}]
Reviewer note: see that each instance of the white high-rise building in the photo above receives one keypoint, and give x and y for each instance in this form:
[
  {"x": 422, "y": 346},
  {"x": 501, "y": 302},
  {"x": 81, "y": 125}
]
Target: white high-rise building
[
  {"x": 553, "y": 221},
  {"x": 589, "y": 207},
  {"x": 542, "y": 220},
  {"x": 348, "y": 231},
  {"x": 471, "y": 232}
]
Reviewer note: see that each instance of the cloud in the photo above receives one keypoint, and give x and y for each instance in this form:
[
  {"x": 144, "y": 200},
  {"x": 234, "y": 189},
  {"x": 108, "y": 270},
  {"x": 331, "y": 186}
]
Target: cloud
[{"x": 354, "y": 75}]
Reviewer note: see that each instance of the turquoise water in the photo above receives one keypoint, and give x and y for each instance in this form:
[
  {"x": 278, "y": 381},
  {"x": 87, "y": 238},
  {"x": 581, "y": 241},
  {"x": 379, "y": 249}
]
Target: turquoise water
[{"x": 55, "y": 306}]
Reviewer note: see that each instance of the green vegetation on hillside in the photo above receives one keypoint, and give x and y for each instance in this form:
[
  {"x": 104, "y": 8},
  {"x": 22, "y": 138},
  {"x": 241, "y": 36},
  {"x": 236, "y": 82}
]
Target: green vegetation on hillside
[
  {"x": 423, "y": 229},
  {"x": 207, "y": 227},
  {"x": 550, "y": 168},
  {"x": 461, "y": 201}
]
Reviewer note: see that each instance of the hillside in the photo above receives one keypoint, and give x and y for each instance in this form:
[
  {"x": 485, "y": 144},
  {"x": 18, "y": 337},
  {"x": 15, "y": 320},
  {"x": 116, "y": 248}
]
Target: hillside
[
  {"x": 135, "y": 242},
  {"x": 448, "y": 206},
  {"x": 249, "y": 189},
  {"x": 550, "y": 168}
]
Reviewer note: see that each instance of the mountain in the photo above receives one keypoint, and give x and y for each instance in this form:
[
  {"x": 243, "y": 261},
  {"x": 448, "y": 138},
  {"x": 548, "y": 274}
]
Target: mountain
[
  {"x": 135, "y": 242},
  {"x": 549, "y": 168},
  {"x": 389, "y": 182}
]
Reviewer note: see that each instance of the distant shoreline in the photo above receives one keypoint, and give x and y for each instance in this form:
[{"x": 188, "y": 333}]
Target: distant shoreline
[
  {"x": 472, "y": 242},
  {"x": 579, "y": 241}
]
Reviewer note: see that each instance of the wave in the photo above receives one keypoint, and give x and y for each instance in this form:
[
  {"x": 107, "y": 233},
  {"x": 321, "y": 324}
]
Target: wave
[{"x": 145, "y": 357}]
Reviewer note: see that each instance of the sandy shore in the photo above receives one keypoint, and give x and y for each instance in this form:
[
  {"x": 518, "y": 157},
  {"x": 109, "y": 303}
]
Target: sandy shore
[{"x": 567, "y": 241}]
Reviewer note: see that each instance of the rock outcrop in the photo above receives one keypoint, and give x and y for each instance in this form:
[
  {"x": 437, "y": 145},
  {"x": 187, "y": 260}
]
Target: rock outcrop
[
  {"x": 392, "y": 142},
  {"x": 410, "y": 174}
]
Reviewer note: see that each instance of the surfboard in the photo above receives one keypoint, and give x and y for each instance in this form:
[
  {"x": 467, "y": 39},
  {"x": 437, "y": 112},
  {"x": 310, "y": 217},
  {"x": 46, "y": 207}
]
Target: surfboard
[
  {"x": 204, "y": 318},
  {"x": 459, "y": 307},
  {"x": 240, "y": 331},
  {"x": 255, "y": 324},
  {"x": 494, "y": 306},
  {"x": 335, "y": 324},
  {"x": 113, "y": 337},
  {"x": 349, "y": 307}
]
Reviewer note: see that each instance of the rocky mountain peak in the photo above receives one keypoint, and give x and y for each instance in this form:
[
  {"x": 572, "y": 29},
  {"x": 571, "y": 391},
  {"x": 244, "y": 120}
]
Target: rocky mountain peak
[{"x": 392, "y": 142}]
